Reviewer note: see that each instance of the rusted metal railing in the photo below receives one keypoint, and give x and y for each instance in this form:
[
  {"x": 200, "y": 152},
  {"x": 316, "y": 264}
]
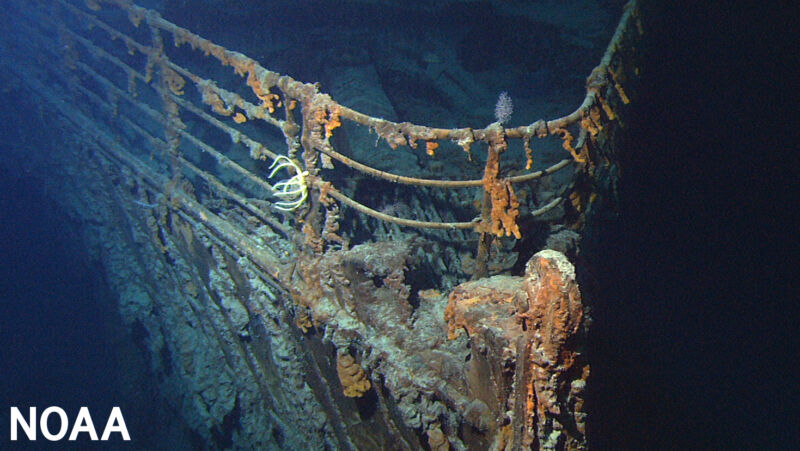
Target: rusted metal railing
[{"x": 310, "y": 129}]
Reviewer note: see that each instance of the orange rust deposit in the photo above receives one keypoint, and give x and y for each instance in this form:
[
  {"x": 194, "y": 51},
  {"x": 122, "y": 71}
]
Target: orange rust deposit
[
  {"x": 430, "y": 294},
  {"x": 504, "y": 201},
  {"x": 332, "y": 122},
  {"x": 430, "y": 148},
  {"x": 618, "y": 86},
  {"x": 580, "y": 157},
  {"x": 271, "y": 101},
  {"x": 352, "y": 376},
  {"x": 239, "y": 118},
  {"x": 538, "y": 321},
  {"x": 174, "y": 81},
  {"x": 528, "y": 154},
  {"x": 212, "y": 98}
]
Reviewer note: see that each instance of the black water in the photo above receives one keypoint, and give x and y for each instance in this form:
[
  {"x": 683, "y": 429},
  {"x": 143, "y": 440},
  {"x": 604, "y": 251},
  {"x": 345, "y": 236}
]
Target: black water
[
  {"x": 62, "y": 341},
  {"x": 55, "y": 317},
  {"x": 695, "y": 344}
]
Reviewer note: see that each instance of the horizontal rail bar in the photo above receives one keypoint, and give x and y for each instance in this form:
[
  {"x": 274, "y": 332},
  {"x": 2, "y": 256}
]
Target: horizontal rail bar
[
  {"x": 394, "y": 219},
  {"x": 306, "y": 92},
  {"x": 221, "y": 159},
  {"x": 210, "y": 179},
  {"x": 329, "y": 151},
  {"x": 295, "y": 89},
  {"x": 437, "y": 183}
]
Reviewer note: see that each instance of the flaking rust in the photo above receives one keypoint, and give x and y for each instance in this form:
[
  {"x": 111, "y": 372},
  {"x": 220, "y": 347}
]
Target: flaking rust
[{"x": 526, "y": 363}]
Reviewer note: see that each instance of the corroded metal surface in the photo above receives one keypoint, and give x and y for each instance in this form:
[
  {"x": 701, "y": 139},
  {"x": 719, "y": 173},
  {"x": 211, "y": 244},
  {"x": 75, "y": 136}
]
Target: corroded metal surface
[{"x": 526, "y": 366}]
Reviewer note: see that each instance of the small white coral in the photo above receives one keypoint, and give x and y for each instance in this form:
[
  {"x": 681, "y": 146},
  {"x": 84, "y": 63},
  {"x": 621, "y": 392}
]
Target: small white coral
[{"x": 504, "y": 108}]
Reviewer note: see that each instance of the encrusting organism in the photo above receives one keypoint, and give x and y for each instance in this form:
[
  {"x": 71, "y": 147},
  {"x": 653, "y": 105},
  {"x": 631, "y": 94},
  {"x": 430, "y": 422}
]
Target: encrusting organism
[{"x": 292, "y": 192}]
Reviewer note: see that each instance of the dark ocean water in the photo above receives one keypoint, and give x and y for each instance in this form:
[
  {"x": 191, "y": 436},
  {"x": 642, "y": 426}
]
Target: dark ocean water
[
  {"x": 55, "y": 316},
  {"x": 694, "y": 342},
  {"x": 697, "y": 346}
]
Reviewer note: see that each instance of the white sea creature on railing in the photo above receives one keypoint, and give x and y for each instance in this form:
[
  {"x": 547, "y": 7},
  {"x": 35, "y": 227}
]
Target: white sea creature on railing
[{"x": 292, "y": 192}]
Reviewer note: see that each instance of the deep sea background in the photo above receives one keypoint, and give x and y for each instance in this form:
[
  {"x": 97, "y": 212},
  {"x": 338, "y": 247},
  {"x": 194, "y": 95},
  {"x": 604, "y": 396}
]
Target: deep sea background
[
  {"x": 697, "y": 347},
  {"x": 55, "y": 315},
  {"x": 694, "y": 342}
]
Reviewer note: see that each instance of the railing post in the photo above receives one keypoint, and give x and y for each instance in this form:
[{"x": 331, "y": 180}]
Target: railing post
[
  {"x": 485, "y": 239},
  {"x": 169, "y": 83}
]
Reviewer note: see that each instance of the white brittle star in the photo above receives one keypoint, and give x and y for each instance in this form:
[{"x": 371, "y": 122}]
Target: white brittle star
[{"x": 292, "y": 192}]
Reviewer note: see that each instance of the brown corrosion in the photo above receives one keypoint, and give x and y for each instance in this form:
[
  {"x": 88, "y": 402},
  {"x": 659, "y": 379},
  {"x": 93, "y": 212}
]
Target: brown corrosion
[{"x": 536, "y": 324}]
